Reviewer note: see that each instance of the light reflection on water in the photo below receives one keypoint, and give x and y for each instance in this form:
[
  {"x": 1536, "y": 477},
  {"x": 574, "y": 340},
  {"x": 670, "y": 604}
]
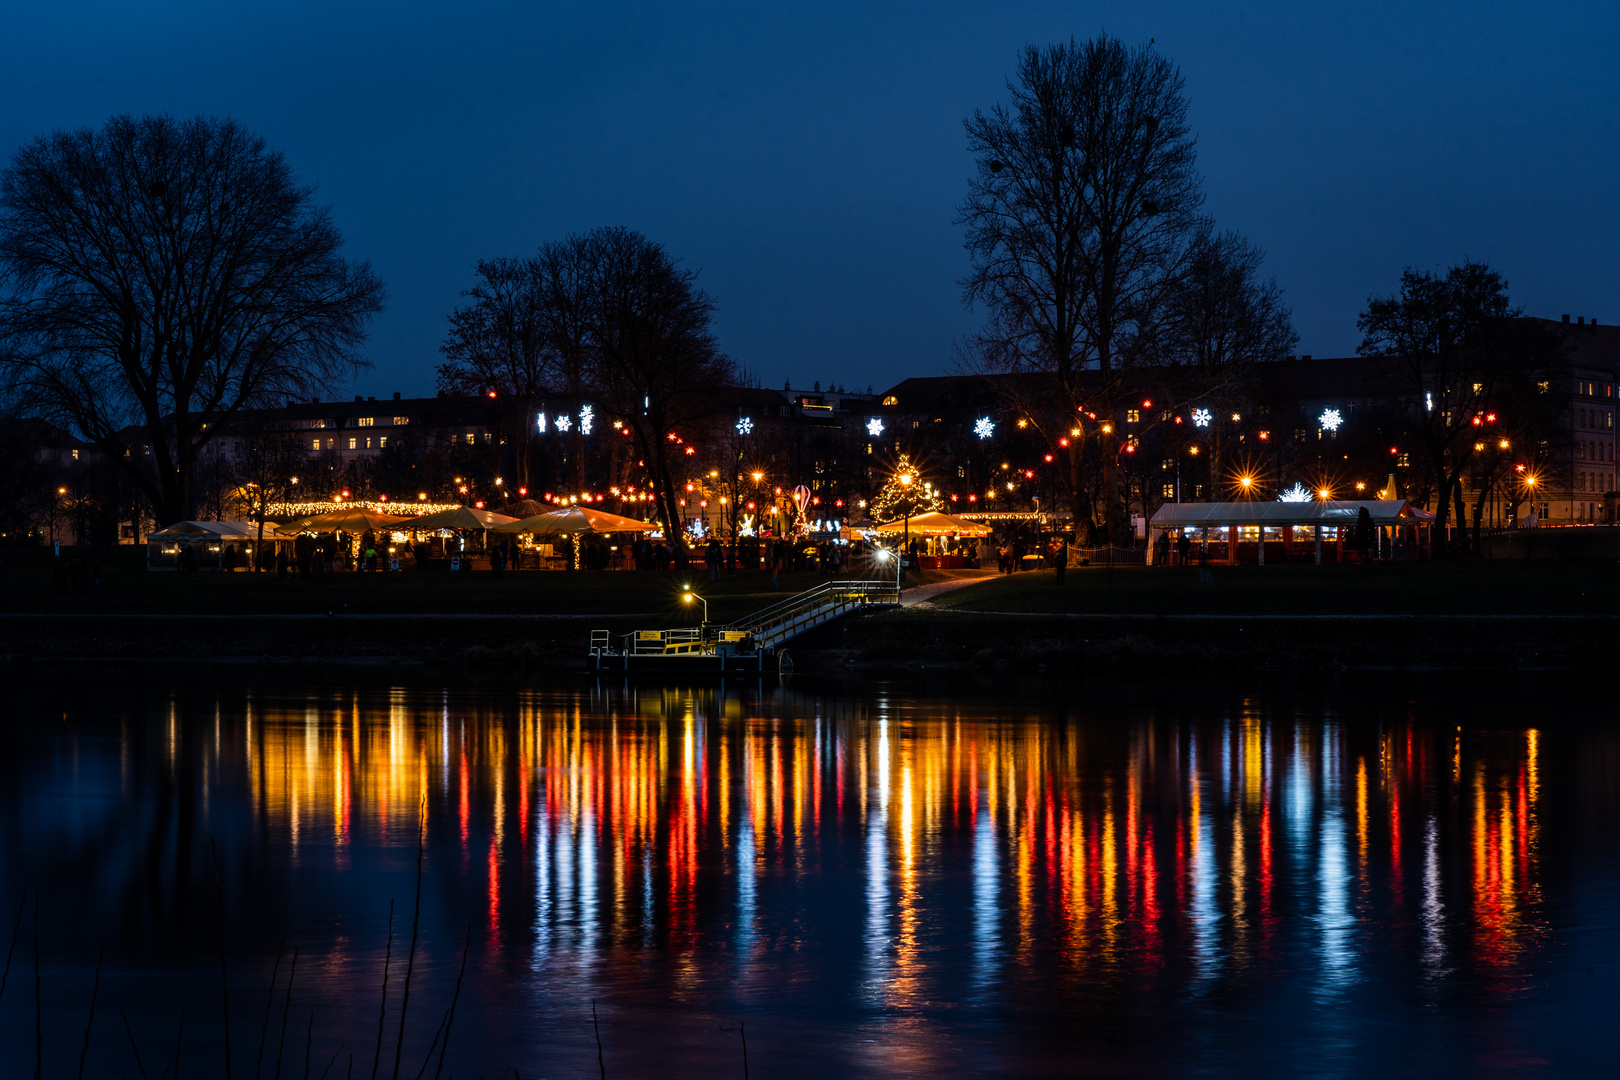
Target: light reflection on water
[{"x": 883, "y": 884}]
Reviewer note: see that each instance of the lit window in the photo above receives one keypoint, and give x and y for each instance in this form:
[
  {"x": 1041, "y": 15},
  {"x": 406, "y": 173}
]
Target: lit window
[
  {"x": 1541, "y": 387},
  {"x": 1133, "y": 416},
  {"x": 471, "y": 438},
  {"x": 315, "y": 444},
  {"x": 401, "y": 421},
  {"x": 352, "y": 441},
  {"x": 382, "y": 441},
  {"x": 891, "y": 400},
  {"x": 368, "y": 421},
  {"x": 1169, "y": 491},
  {"x": 75, "y": 455}
]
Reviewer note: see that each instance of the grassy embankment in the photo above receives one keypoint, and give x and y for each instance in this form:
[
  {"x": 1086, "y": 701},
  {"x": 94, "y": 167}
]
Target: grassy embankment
[
  {"x": 527, "y": 617},
  {"x": 1458, "y": 615},
  {"x": 1468, "y": 614}
]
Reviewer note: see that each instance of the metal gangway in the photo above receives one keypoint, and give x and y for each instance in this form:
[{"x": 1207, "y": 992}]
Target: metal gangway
[{"x": 763, "y": 631}]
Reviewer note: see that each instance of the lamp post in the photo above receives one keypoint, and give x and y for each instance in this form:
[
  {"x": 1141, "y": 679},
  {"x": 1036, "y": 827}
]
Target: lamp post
[
  {"x": 905, "y": 543},
  {"x": 690, "y": 596}
]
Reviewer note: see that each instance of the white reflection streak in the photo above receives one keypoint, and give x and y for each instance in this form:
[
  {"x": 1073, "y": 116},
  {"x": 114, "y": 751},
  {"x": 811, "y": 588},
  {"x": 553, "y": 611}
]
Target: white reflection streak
[
  {"x": 986, "y": 890},
  {"x": 1434, "y": 910},
  {"x": 1338, "y": 957},
  {"x": 745, "y": 850},
  {"x": 877, "y": 882},
  {"x": 587, "y": 882},
  {"x": 543, "y": 908},
  {"x": 1205, "y": 913}
]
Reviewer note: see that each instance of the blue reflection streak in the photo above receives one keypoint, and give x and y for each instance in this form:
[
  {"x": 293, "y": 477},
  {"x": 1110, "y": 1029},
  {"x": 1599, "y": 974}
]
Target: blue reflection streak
[
  {"x": 1434, "y": 908},
  {"x": 1333, "y": 896},
  {"x": 1205, "y": 912},
  {"x": 986, "y": 894}
]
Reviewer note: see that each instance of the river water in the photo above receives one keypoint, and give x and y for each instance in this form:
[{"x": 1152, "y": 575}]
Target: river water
[{"x": 1385, "y": 875}]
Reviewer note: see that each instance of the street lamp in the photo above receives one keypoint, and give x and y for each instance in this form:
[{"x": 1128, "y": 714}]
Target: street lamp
[
  {"x": 688, "y": 596},
  {"x": 905, "y": 544}
]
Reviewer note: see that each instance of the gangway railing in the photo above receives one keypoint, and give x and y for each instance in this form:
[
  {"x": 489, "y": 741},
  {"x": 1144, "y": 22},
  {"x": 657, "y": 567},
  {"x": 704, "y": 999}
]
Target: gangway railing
[
  {"x": 763, "y": 630},
  {"x": 814, "y": 607}
]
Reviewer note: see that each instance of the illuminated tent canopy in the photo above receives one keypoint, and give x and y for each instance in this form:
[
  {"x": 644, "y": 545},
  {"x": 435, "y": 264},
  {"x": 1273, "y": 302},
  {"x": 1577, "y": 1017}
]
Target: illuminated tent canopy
[
  {"x": 575, "y": 519},
  {"x": 934, "y": 523},
  {"x": 460, "y": 517},
  {"x": 351, "y": 519}
]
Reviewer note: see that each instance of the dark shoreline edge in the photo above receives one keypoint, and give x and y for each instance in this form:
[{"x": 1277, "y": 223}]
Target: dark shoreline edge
[{"x": 912, "y": 639}]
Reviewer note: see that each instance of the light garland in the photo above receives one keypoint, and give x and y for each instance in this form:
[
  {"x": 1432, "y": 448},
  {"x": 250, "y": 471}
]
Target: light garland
[{"x": 379, "y": 506}]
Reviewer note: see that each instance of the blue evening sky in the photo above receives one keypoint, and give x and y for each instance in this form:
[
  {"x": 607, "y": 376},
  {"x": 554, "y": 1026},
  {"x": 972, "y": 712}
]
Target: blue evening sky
[{"x": 808, "y": 158}]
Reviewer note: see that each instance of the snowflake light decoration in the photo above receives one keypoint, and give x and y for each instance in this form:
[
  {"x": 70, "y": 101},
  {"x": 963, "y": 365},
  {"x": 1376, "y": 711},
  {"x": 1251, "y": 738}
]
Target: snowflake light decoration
[
  {"x": 540, "y": 422},
  {"x": 563, "y": 423},
  {"x": 1295, "y": 494},
  {"x": 1201, "y": 418},
  {"x": 874, "y": 427},
  {"x": 745, "y": 426},
  {"x": 1330, "y": 419},
  {"x": 984, "y": 428},
  {"x": 587, "y": 418}
]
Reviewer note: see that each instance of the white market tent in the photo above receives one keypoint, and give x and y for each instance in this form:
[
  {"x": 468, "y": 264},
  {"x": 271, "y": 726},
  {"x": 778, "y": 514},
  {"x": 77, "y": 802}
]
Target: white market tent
[
  {"x": 213, "y": 545},
  {"x": 1255, "y": 531}
]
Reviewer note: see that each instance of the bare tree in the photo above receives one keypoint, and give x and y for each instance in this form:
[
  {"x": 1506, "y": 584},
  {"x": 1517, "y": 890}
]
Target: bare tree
[
  {"x": 1221, "y": 321},
  {"x": 660, "y": 363},
  {"x": 165, "y": 274},
  {"x": 1460, "y": 352},
  {"x": 500, "y": 343},
  {"x": 269, "y": 463},
  {"x": 1078, "y": 223}
]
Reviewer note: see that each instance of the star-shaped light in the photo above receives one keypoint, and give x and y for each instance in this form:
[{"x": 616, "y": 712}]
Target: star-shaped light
[
  {"x": 563, "y": 423},
  {"x": 1330, "y": 419},
  {"x": 984, "y": 428},
  {"x": 745, "y": 426},
  {"x": 1201, "y": 418},
  {"x": 874, "y": 427},
  {"x": 1297, "y": 493}
]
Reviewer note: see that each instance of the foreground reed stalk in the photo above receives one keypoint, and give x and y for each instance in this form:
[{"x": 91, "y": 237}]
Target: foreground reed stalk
[{"x": 416, "y": 919}]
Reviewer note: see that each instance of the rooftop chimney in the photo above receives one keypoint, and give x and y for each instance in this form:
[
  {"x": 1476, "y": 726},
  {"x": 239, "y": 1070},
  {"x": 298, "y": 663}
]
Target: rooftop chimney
[
  {"x": 396, "y": 395},
  {"x": 1580, "y": 320},
  {"x": 1566, "y": 318},
  {"x": 357, "y": 397}
]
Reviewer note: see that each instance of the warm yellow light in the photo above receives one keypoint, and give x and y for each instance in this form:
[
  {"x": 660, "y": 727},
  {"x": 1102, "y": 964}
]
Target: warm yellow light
[
  {"x": 1246, "y": 480},
  {"x": 497, "y": 481},
  {"x": 1074, "y": 432},
  {"x": 1194, "y": 450},
  {"x": 1479, "y": 446},
  {"x": 905, "y": 479},
  {"x": 1529, "y": 481},
  {"x": 1237, "y": 418},
  {"x": 1360, "y": 486},
  {"x": 1108, "y": 429},
  {"x": 1324, "y": 495},
  {"x": 687, "y": 597},
  {"x": 421, "y": 496},
  {"x": 1023, "y": 423},
  {"x": 758, "y": 477},
  {"x": 295, "y": 479},
  {"x": 1503, "y": 445}
]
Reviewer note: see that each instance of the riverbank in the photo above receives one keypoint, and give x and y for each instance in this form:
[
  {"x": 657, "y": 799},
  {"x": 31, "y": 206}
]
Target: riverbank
[
  {"x": 913, "y": 638},
  {"x": 1466, "y": 616}
]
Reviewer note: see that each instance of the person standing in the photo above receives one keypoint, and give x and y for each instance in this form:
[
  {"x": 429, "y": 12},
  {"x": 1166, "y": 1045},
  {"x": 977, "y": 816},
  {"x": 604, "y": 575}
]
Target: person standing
[{"x": 1058, "y": 550}]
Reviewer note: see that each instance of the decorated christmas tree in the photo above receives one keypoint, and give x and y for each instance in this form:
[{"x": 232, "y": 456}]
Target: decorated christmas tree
[{"x": 905, "y": 495}]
